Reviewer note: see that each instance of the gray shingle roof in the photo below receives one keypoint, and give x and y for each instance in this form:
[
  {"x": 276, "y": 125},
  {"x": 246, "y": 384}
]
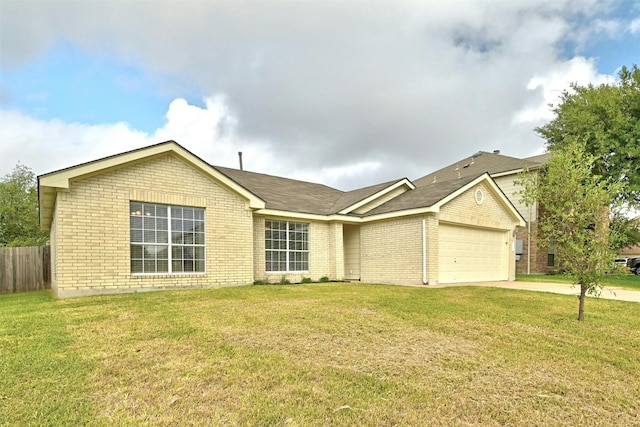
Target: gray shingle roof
[
  {"x": 539, "y": 159},
  {"x": 422, "y": 197},
  {"x": 299, "y": 196},
  {"x": 482, "y": 161},
  {"x": 286, "y": 194},
  {"x": 305, "y": 197},
  {"x": 352, "y": 197}
]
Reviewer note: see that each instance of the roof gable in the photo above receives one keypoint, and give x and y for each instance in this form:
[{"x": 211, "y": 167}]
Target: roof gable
[
  {"x": 368, "y": 198},
  {"x": 277, "y": 195},
  {"x": 431, "y": 197},
  {"x": 50, "y": 183},
  {"x": 426, "y": 196}
]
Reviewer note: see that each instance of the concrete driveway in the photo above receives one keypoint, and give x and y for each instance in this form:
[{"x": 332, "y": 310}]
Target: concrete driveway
[{"x": 556, "y": 288}]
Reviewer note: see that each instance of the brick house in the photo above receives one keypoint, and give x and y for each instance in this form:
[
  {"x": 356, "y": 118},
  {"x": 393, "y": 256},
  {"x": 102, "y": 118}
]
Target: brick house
[
  {"x": 531, "y": 258},
  {"x": 162, "y": 218}
]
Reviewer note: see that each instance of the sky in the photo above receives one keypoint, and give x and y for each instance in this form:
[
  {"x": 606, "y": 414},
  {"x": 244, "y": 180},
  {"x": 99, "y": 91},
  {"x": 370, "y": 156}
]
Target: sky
[{"x": 347, "y": 94}]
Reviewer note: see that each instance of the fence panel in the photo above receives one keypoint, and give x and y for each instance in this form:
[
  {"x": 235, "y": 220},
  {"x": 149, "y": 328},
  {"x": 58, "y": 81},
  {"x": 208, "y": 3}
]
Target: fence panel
[{"x": 25, "y": 269}]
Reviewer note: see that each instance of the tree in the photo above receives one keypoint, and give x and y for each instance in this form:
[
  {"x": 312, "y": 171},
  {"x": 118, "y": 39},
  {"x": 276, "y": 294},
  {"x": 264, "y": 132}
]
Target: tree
[
  {"x": 607, "y": 119},
  {"x": 625, "y": 231},
  {"x": 19, "y": 217},
  {"x": 574, "y": 203}
]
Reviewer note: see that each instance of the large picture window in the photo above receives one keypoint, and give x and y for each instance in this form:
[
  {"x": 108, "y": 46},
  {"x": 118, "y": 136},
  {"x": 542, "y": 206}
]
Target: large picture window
[
  {"x": 286, "y": 246},
  {"x": 166, "y": 239}
]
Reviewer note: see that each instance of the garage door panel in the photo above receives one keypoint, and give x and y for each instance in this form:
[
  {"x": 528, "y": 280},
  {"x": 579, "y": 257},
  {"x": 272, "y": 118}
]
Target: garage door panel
[{"x": 472, "y": 254}]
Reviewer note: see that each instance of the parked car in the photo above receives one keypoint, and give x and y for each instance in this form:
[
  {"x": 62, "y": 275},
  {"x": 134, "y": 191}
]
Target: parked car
[{"x": 634, "y": 265}]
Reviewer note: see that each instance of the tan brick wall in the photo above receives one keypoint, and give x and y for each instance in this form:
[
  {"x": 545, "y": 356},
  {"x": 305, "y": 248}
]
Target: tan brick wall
[
  {"x": 91, "y": 222},
  {"x": 336, "y": 243},
  {"x": 54, "y": 255},
  {"x": 391, "y": 251},
  {"x": 325, "y": 259},
  {"x": 490, "y": 214},
  {"x": 433, "y": 243}
]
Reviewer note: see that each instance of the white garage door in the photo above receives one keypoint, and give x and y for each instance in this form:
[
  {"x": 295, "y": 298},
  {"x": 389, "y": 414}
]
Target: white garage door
[{"x": 472, "y": 254}]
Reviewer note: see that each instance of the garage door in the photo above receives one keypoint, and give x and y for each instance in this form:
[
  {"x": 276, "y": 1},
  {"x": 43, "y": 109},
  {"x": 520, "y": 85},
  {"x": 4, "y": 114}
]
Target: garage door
[{"x": 472, "y": 254}]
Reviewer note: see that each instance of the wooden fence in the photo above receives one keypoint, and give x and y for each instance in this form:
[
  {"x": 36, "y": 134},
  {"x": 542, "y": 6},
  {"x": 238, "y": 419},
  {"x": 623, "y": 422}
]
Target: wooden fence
[{"x": 25, "y": 269}]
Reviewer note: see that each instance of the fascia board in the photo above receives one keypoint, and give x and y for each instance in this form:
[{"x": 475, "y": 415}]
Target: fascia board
[
  {"x": 254, "y": 201},
  {"x": 377, "y": 195},
  {"x": 511, "y": 172},
  {"x": 307, "y": 216},
  {"x": 402, "y": 213},
  {"x": 516, "y": 171},
  {"x": 344, "y": 218},
  {"x": 506, "y": 202}
]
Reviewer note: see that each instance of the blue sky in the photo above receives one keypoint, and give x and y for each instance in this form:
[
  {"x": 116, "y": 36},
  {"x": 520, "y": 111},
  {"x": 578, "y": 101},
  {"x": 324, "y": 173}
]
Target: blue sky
[
  {"x": 342, "y": 93},
  {"x": 75, "y": 85},
  {"x": 612, "y": 46}
]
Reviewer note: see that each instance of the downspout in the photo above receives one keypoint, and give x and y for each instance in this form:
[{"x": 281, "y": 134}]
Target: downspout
[
  {"x": 529, "y": 242},
  {"x": 424, "y": 251}
]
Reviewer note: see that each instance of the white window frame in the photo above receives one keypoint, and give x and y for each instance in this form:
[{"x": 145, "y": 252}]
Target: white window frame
[
  {"x": 291, "y": 228},
  {"x": 143, "y": 240}
]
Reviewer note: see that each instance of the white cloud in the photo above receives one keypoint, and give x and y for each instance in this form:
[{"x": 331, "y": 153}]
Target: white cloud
[
  {"x": 208, "y": 132},
  {"x": 610, "y": 27},
  {"x": 68, "y": 144},
  {"x": 45, "y": 146},
  {"x": 347, "y": 93},
  {"x": 550, "y": 86}
]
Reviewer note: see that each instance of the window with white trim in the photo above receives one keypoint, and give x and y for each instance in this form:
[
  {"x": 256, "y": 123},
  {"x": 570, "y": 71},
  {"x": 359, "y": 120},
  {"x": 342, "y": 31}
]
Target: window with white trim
[
  {"x": 286, "y": 246},
  {"x": 166, "y": 239}
]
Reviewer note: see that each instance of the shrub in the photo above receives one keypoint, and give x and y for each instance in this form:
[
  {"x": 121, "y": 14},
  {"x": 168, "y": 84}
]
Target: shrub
[{"x": 284, "y": 281}]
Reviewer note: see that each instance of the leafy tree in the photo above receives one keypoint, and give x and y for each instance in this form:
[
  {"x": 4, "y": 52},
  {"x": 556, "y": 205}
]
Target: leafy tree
[
  {"x": 607, "y": 118},
  {"x": 625, "y": 231},
  {"x": 574, "y": 203},
  {"x": 19, "y": 217}
]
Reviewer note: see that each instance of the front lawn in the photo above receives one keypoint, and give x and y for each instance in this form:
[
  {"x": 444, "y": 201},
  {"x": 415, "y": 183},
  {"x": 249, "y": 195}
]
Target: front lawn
[
  {"x": 319, "y": 354},
  {"x": 626, "y": 281}
]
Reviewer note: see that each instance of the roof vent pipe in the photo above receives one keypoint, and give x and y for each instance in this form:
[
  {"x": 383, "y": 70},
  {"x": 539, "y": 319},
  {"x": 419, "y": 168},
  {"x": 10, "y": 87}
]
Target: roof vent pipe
[{"x": 240, "y": 159}]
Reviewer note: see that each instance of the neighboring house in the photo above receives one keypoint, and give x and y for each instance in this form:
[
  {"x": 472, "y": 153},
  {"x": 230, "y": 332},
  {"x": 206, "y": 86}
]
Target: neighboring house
[
  {"x": 162, "y": 218},
  {"x": 530, "y": 256}
]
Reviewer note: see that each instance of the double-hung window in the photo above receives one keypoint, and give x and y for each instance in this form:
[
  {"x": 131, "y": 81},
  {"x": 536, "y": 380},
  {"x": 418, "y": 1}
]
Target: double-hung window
[
  {"x": 166, "y": 239},
  {"x": 286, "y": 246}
]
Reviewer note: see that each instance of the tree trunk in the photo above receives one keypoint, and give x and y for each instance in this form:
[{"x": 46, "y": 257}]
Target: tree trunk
[{"x": 582, "y": 297}]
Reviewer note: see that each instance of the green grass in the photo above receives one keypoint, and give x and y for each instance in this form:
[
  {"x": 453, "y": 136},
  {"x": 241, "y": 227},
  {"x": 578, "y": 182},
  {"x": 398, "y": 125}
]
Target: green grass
[
  {"x": 626, "y": 281},
  {"x": 319, "y": 354}
]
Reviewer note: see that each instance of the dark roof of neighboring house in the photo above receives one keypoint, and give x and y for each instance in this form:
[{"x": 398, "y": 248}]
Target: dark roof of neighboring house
[
  {"x": 540, "y": 158},
  {"x": 492, "y": 163}
]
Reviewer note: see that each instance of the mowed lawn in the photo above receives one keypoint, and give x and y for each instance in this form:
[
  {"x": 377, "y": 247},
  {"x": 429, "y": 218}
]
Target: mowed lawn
[
  {"x": 625, "y": 281},
  {"x": 331, "y": 354}
]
